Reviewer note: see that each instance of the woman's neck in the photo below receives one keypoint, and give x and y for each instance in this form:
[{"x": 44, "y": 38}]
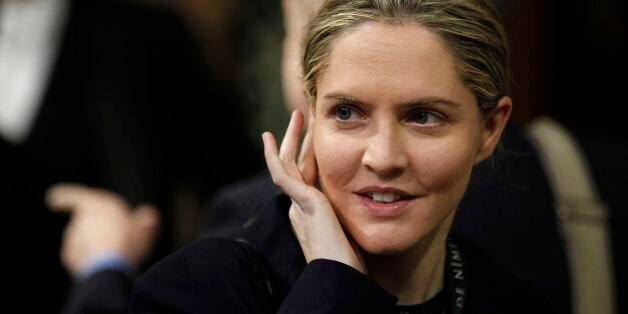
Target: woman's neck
[{"x": 416, "y": 275}]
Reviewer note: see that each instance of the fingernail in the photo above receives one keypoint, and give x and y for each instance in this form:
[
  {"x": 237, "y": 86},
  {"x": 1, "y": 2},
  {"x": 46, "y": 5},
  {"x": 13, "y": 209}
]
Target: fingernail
[{"x": 52, "y": 197}]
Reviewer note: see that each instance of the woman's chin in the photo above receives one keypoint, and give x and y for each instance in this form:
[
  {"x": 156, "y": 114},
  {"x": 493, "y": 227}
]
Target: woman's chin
[
  {"x": 384, "y": 242},
  {"x": 387, "y": 250}
]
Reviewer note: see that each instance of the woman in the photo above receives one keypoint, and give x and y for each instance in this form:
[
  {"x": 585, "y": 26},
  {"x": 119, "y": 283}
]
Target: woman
[{"x": 405, "y": 98}]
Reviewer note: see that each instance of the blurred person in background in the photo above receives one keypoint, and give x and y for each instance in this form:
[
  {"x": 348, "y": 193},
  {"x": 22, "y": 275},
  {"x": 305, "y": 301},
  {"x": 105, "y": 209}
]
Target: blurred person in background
[
  {"x": 108, "y": 94},
  {"x": 105, "y": 242}
]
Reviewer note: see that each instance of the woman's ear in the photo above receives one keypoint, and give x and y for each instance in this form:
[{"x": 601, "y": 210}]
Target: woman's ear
[{"x": 493, "y": 126}]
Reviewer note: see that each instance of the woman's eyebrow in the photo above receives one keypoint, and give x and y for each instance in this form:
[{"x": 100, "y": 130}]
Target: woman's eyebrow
[
  {"x": 343, "y": 97},
  {"x": 422, "y": 101},
  {"x": 431, "y": 100}
]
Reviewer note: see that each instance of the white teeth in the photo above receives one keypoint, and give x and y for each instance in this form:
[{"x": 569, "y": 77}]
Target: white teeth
[{"x": 385, "y": 197}]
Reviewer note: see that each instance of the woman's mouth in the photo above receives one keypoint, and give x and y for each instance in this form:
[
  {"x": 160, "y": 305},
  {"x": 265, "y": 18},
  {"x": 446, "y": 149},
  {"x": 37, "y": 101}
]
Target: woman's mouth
[
  {"x": 384, "y": 197},
  {"x": 385, "y": 204}
]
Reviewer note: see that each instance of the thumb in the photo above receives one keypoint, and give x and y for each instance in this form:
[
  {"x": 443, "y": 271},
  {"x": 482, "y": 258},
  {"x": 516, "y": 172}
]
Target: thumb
[
  {"x": 145, "y": 221},
  {"x": 146, "y": 218},
  {"x": 63, "y": 197},
  {"x": 307, "y": 160}
]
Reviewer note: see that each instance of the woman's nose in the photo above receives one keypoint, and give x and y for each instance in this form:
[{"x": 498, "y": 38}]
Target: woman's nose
[{"x": 385, "y": 154}]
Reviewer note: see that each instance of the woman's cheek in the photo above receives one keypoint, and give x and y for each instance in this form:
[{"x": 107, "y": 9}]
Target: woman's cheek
[
  {"x": 337, "y": 157},
  {"x": 443, "y": 166}
]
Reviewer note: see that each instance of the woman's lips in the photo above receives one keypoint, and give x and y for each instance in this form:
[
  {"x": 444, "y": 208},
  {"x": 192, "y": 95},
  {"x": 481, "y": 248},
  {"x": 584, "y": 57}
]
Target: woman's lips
[{"x": 384, "y": 210}]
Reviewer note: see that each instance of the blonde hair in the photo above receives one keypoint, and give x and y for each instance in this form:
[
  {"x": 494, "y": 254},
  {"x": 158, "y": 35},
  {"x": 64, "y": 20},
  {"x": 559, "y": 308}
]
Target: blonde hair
[{"x": 471, "y": 29}]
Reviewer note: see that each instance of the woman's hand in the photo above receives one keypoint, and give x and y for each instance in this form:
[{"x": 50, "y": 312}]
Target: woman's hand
[{"x": 313, "y": 219}]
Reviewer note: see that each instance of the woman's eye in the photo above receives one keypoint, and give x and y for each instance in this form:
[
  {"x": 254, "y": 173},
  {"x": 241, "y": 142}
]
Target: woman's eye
[
  {"x": 425, "y": 118},
  {"x": 346, "y": 113}
]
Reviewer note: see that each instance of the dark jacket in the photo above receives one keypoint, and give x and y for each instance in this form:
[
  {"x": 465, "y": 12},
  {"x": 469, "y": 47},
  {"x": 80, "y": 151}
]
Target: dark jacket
[
  {"x": 216, "y": 275},
  {"x": 105, "y": 292}
]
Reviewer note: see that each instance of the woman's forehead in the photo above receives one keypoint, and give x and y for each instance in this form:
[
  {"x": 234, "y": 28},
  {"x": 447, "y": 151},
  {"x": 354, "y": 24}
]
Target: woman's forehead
[{"x": 398, "y": 58}]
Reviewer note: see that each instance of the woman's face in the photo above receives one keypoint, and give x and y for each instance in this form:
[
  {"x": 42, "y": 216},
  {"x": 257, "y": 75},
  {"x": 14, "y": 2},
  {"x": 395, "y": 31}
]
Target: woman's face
[{"x": 396, "y": 135}]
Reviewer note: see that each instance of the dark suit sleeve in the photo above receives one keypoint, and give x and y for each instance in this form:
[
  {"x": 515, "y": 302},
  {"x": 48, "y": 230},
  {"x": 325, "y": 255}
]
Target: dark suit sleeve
[
  {"x": 217, "y": 276},
  {"x": 106, "y": 292},
  {"x": 327, "y": 286},
  {"x": 210, "y": 276}
]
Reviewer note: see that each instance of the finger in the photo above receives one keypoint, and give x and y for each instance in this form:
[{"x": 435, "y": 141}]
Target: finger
[
  {"x": 290, "y": 143},
  {"x": 292, "y": 186},
  {"x": 146, "y": 218},
  {"x": 306, "y": 147},
  {"x": 275, "y": 165},
  {"x": 145, "y": 228},
  {"x": 270, "y": 155},
  {"x": 70, "y": 197},
  {"x": 55, "y": 195},
  {"x": 63, "y": 197},
  {"x": 307, "y": 161}
]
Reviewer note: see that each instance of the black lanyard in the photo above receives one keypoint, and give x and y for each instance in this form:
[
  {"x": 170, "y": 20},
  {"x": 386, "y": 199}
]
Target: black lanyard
[
  {"x": 455, "y": 268},
  {"x": 456, "y": 285}
]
